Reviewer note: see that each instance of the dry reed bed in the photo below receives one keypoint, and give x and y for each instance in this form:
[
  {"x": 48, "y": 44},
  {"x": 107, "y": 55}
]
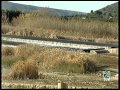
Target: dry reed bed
[
  {"x": 35, "y": 24},
  {"x": 32, "y": 59},
  {"x": 53, "y": 59}
]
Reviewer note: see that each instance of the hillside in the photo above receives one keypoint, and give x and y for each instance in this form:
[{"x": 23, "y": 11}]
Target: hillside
[
  {"x": 113, "y": 8},
  {"x": 28, "y": 8},
  {"x": 109, "y": 11},
  {"x": 13, "y": 6}
]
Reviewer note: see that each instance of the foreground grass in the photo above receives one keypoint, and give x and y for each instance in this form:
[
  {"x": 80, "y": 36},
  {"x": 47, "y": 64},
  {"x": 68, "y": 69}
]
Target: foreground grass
[
  {"x": 73, "y": 80},
  {"x": 58, "y": 64},
  {"x": 55, "y": 59},
  {"x": 50, "y": 59}
]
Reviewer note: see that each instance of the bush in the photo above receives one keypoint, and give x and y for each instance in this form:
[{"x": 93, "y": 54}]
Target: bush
[
  {"x": 88, "y": 66},
  {"x": 83, "y": 66},
  {"x": 5, "y": 30},
  {"x": 24, "y": 70},
  {"x": 8, "y": 61},
  {"x": 7, "y": 51},
  {"x": 23, "y": 52}
]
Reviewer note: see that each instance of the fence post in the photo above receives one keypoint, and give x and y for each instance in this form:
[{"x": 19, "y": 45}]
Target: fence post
[{"x": 62, "y": 85}]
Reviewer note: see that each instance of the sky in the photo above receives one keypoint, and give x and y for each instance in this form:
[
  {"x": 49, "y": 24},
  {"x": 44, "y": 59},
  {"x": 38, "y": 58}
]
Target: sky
[{"x": 82, "y": 6}]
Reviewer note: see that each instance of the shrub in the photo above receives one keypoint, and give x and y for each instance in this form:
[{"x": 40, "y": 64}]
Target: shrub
[
  {"x": 23, "y": 52},
  {"x": 84, "y": 66},
  {"x": 8, "y": 61},
  {"x": 88, "y": 66},
  {"x": 24, "y": 69},
  {"x": 5, "y": 29},
  {"x": 7, "y": 51},
  {"x": 31, "y": 69}
]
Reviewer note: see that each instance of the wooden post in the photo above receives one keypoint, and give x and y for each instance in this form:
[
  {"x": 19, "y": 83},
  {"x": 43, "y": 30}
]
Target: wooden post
[{"x": 62, "y": 85}]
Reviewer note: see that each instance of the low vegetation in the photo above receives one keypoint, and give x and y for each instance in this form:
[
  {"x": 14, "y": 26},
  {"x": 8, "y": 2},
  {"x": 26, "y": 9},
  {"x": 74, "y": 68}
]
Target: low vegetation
[
  {"x": 54, "y": 60},
  {"x": 83, "y": 66},
  {"x": 24, "y": 69},
  {"x": 7, "y": 51},
  {"x": 47, "y": 60}
]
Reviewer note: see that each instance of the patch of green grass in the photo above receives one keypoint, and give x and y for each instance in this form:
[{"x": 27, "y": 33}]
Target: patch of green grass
[
  {"x": 8, "y": 61},
  {"x": 86, "y": 66}
]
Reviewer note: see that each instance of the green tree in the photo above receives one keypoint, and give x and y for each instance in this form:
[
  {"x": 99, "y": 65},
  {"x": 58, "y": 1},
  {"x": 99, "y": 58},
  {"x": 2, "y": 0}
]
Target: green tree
[
  {"x": 99, "y": 13},
  {"x": 91, "y": 11}
]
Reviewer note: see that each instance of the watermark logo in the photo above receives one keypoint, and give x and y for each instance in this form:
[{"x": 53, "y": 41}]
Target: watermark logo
[{"x": 106, "y": 75}]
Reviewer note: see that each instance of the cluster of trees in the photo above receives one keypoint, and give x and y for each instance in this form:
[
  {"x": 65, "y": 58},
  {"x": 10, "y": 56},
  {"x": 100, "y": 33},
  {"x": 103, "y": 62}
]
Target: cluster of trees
[
  {"x": 99, "y": 15},
  {"x": 111, "y": 16},
  {"x": 11, "y": 14},
  {"x": 102, "y": 15}
]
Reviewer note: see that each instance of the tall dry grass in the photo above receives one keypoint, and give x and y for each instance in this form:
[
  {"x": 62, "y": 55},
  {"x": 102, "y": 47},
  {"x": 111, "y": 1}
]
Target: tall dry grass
[
  {"x": 35, "y": 24},
  {"x": 28, "y": 59},
  {"x": 8, "y": 51},
  {"x": 53, "y": 59},
  {"x": 24, "y": 69}
]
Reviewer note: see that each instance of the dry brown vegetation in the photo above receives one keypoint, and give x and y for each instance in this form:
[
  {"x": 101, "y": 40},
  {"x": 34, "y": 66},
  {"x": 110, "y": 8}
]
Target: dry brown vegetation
[
  {"x": 7, "y": 51},
  {"x": 58, "y": 60},
  {"x": 42, "y": 25},
  {"x": 24, "y": 69},
  {"x": 47, "y": 59}
]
